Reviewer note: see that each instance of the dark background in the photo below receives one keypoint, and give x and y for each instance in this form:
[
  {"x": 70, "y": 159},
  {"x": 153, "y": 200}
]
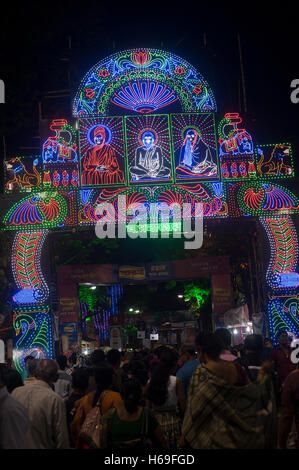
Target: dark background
[{"x": 48, "y": 47}]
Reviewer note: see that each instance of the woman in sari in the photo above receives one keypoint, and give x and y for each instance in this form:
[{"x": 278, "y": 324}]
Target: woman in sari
[{"x": 103, "y": 375}]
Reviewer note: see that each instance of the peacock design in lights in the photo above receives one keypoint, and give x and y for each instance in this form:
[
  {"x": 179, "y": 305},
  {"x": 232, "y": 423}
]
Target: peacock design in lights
[
  {"x": 31, "y": 333},
  {"x": 144, "y": 96}
]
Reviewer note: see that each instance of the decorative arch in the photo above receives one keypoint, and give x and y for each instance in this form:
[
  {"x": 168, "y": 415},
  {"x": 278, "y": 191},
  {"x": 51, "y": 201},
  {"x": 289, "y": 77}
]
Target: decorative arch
[
  {"x": 235, "y": 178},
  {"x": 144, "y": 81}
]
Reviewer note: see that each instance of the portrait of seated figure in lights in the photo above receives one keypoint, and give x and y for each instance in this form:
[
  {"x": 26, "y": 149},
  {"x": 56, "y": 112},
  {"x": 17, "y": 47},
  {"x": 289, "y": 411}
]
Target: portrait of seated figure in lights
[
  {"x": 100, "y": 164},
  {"x": 195, "y": 157},
  {"x": 149, "y": 160}
]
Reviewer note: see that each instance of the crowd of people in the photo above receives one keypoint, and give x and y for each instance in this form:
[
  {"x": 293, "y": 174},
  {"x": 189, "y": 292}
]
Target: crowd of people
[{"x": 206, "y": 395}]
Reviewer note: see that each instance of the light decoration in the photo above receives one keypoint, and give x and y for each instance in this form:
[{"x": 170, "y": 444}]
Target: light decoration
[
  {"x": 115, "y": 292},
  {"x": 146, "y": 81},
  {"x": 26, "y": 268},
  {"x": 237, "y": 168},
  {"x": 108, "y": 157},
  {"x": 62, "y": 147},
  {"x": 60, "y": 157},
  {"x": 232, "y": 140},
  {"x": 33, "y": 335},
  {"x": 194, "y": 145},
  {"x": 22, "y": 174},
  {"x": 144, "y": 96},
  {"x": 45, "y": 210},
  {"x": 101, "y": 323},
  {"x": 212, "y": 196},
  {"x": 283, "y": 314},
  {"x": 284, "y": 253},
  {"x": 107, "y": 82},
  {"x": 275, "y": 161},
  {"x": 153, "y": 163},
  {"x": 257, "y": 199}
]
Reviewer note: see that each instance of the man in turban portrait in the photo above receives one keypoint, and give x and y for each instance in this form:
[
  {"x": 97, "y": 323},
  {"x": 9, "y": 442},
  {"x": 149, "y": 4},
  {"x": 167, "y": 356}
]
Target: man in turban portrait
[{"x": 100, "y": 165}]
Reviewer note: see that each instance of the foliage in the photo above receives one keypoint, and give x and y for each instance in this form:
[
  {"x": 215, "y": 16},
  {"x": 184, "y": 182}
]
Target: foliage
[
  {"x": 197, "y": 296},
  {"x": 93, "y": 298}
]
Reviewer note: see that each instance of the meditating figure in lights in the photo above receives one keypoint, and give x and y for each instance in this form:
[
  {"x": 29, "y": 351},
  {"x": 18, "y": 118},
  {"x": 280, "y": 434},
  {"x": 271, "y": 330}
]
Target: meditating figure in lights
[
  {"x": 196, "y": 157},
  {"x": 149, "y": 160},
  {"x": 100, "y": 165}
]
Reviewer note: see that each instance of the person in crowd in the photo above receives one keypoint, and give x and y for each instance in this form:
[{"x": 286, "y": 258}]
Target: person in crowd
[
  {"x": 146, "y": 356},
  {"x": 281, "y": 356},
  {"x": 165, "y": 394},
  {"x": 73, "y": 363},
  {"x": 290, "y": 409},
  {"x": 14, "y": 421},
  {"x": 268, "y": 347},
  {"x": 31, "y": 366},
  {"x": 46, "y": 409},
  {"x": 220, "y": 415},
  {"x": 128, "y": 356},
  {"x": 253, "y": 359},
  {"x": 137, "y": 370},
  {"x": 108, "y": 399},
  {"x": 64, "y": 382},
  {"x": 114, "y": 358},
  {"x": 189, "y": 362},
  {"x": 25, "y": 372},
  {"x": 80, "y": 382},
  {"x": 227, "y": 355},
  {"x": 97, "y": 357},
  {"x": 12, "y": 379},
  {"x": 131, "y": 425}
]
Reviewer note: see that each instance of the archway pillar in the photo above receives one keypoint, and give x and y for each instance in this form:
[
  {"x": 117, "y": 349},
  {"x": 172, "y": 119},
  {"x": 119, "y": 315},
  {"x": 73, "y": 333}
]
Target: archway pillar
[
  {"x": 282, "y": 277},
  {"x": 32, "y": 320}
]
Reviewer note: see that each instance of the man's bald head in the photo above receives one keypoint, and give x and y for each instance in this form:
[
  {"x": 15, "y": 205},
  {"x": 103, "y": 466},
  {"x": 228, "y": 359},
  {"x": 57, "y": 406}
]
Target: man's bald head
[{"x": 47, "y": 370}]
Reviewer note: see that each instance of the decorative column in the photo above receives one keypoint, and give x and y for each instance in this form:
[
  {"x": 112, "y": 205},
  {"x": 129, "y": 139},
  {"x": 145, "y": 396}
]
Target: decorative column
[
  {"x": 32, "y": 320},
  {"x": 282, "y": 276}
]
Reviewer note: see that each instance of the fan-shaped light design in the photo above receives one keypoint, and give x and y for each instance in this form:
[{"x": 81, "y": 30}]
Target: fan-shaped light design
[{"x": 144, "y": 96}]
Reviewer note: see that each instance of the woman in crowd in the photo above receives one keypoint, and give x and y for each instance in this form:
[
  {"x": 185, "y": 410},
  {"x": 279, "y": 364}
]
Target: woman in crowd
[
  {"x": 131, "y": 425},
  {"x": 166, "y": 396},
  {"x": 103, "y": 375}
]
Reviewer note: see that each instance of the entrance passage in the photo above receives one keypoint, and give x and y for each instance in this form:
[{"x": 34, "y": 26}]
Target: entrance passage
[{"x": 145, "y": 314}]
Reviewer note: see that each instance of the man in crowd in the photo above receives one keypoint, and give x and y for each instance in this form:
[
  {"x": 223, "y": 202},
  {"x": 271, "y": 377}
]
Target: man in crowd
[
  {"x": 220, "y": 415},
  {"x": 46, "y": 409},
  {"x": 253, "y": 358},
  {"x": 63, "y": 384},
  {"x": 226, "y": 355},
  {"x": 14, "y": 422},
  {"x": 189, "y": 364}
]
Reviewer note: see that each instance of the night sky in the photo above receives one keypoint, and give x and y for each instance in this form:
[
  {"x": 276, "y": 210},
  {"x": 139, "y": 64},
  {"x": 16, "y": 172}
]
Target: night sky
[{"x": 36, "y": 58}]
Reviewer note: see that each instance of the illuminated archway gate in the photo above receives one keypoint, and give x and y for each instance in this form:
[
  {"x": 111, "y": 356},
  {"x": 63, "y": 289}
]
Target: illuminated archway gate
[{"x": 165, "y": 151}]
